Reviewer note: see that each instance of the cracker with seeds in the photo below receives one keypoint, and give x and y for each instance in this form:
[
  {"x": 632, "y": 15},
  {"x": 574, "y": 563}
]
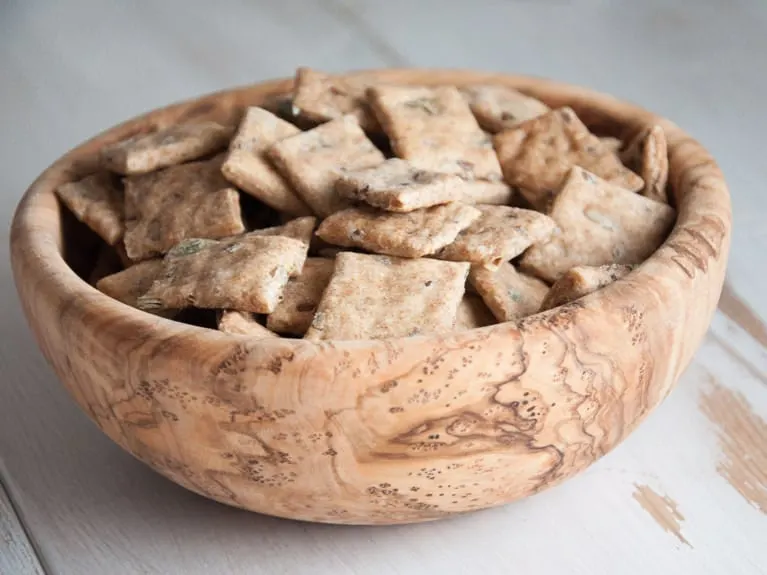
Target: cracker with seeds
[
  {"x": 612, "y": 144},
  {"x": 501, "y": 233},
  {"x": 242, "y": 323},
  {"x": 498, "y": 108},
  {"x": 244, "y": 273},
  {"x": 248, "y": 168},
  {"x": 581, "y": 281},
  {"x": 314, "y": 160},
  {"x": 509, "y": 294},
  {"x": 130, "y": 284},
  {"x": 322, "y": 97},
  {"x": 537, "y": 156},
  {"x": 173, "y": 145},
  {"x": 187, "y": 201},
  {"x": 378, "y": 297},
  {"x": 294, "y": 314},
  {"x": 600, "y": 223},
  {"x": 647, "y": 154},
  {"x": 107, "y": 263},
  {"x": 486, "y": 192},
  {"x": 96, "y": 201},
  {"x": 434, "y": 129},
  {"x": 301, "y": 229},
  {"x": 473, "y": 313},
  {"x": 409, "y": 235}
]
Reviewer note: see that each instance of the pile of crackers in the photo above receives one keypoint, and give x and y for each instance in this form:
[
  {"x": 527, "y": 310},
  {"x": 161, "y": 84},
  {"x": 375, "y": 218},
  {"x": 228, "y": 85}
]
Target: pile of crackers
[{"x": 397, "y": 211}]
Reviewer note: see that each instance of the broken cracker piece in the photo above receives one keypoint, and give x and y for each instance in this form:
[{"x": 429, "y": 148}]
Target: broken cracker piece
[
  {"x": 612, "y": 144},
  {"x": 599, "y": 223},
  {"x": 537, "y": 155},
  {"x": 187, "y": 201},
  {"x": 434, "y": 129},
  {"x": 242, "y": 323},
  {"x": 173, "y": 145},
  {"x": 409, "y": 235},
  {"x": 379, "y": 297},
  {"x": 130, "y": 284},
  {"x": 248, "y": 168},
  {"x": 107, "y": 263},
  {"x": 323, "y": 97},
  {"x": 498, "y": 107},
  {"x": 501, "y": 233},
  {"x": 647, "y": 154},
  {"x": 485, "y": 192},
  {"x": 510, "y": 295},
  {"x": 312, "y": 161},
  {"x": 98, "y": 203},
  {"x": 245, "y": 273},
  {"x": 582, "y": 280},
  {"x": 301, "y": 229},
  {"x": 398, "y": 186},
  {"x": 473, "y": 313},
  {"x": 294, "y": 314}
]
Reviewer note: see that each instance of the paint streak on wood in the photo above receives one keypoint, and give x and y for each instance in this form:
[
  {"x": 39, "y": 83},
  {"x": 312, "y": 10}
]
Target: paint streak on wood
[
  {"x": 743, "y": 441},
  {"x": 737, "y": 356},
  {"x": 662, "y": 509},
  {"x": 739, "y": 312}
]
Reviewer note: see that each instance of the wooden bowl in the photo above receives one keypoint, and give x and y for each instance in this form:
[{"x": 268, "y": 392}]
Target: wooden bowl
[{"x": 377, "y": 432}]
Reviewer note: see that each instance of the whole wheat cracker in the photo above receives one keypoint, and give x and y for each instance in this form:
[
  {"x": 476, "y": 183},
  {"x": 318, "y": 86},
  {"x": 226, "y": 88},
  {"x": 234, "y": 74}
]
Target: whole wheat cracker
[
  {"x": 647, "y": 154},
  {"x": 611, "y": 143},
  {"x": 107, "y": 263},
  {"x": 186, "y": 201},
  {"x": 96, "y": 201},
  {"x": 498, "y": 107},
  {"x": 242, "y": 323},
  {"x": 510, "y": 295},
  {"x": 378, "y": 297},
  {"x": 537, "y": 155},
  {"x": 582, "y": 280},
  {"x": 486, "y": 192},
  {"x": 312, "y": 161},
  {"x": 473, "y": 313},
  {"x": 172, "y": 145},
  {"x": 301, "y": 229},
  {"x": 244, "y": 273},
  {"x": 501, "y": 233},
  {"x": 599, "y": 223},
  {"x": 294, "y": 314},
  {"x": 434, "y": 129},
  {"x": 409, "y": 235},
  {"x": 128, "y": 285},
  {"x": 248, "y": 168}
]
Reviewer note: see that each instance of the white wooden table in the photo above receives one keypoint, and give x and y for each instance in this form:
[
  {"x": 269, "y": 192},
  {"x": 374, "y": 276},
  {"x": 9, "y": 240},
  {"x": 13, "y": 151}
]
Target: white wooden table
[{"x": 686, "y": 493}]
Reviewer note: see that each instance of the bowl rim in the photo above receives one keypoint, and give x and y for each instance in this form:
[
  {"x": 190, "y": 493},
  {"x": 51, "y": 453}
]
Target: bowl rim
[{"x": 36, "y": 231}]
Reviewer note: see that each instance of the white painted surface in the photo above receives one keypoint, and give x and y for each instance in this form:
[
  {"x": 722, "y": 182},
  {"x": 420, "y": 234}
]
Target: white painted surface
[
  {"x": 70, "y": 69},
  {"x": 16, "y": 553}
]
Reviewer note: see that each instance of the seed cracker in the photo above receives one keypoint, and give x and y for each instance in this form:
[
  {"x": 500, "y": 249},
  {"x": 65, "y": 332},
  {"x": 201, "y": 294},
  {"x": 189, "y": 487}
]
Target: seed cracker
[
  {"x": 582, "y": 280},
  {"x": 130, "y": 284},
  {"x": 96, "y": 201},
  {"x": 167, "y": 147},
  {"x": 647, "y": 153},
  {"x": 600, "y": 223},
  {"x": 248, "y": 168},
  {"x": 612, "y": 144},
  {"x": 379, "y": 297},
  {"x": 301, "y": 229},
  {"x": 501, "y": 233},
  {"x": 294, "y": 314},
  {"x": 244, "y": 273},
  {"x": 498, "y": 108},
  {"x": 313, "y": 161},
  {"x": 187, "y": 201},
  {"x": 409, "y": 235},
  {"x": 434, "y": 129},
  {"x": 510, "y": 295},
  {"x": 242, "y": 323},
  {"x": 486, "y": 192},
  {"x": 537, "y": 155},
  {"x": 473, "y": 313}
]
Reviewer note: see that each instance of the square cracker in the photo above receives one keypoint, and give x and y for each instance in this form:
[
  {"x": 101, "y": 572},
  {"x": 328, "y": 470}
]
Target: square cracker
[
  {"x": 301, "y": 229},
  {"x": 409, "y": 235},
  {"x": 582, "y": 280},
  {"x": 313, "y": 161},
  {"x": 398, "y": 186},
  {"x": 130, "y": 284},
  {"x": 379, "y": 297},
  {"x": 647, "y": 154},
  {"x": 486, "y": 192},
  {"x": 537, "y": 155},
  {"x": 245, "y": 273},
  {"x": 323, "y": 97},
  {"x": 188, "y": 201},
  {"x": 167, "y": 147},
  {"x": 434, "y": 129},
  {"x": 242, "y": 323},
  {"x": 248, "y": 168},
  {"x": 509, "y": 294},
  {"x": 294, "y": 314},
  {"x": 98, "y": 203},
  {"x": 501, "y": 233},
  {"x": 600, "y": 223},
  {"x": 498, "y": 108},
  {"x": 473, "y": 313}
]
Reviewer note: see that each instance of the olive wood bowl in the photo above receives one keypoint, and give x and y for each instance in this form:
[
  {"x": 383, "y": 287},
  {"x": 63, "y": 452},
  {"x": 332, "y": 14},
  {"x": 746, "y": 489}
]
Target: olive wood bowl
[{"x": 378, "y": 432}]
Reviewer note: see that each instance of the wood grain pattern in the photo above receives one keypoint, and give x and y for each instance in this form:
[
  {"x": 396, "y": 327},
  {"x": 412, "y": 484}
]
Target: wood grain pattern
[
  {"x": 17, "y": 556},
  {"x": 385, "y": 431}
]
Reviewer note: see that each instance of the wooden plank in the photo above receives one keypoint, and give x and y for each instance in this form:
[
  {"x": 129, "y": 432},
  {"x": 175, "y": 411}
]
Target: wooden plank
[{"x": 17, "y": 555}]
